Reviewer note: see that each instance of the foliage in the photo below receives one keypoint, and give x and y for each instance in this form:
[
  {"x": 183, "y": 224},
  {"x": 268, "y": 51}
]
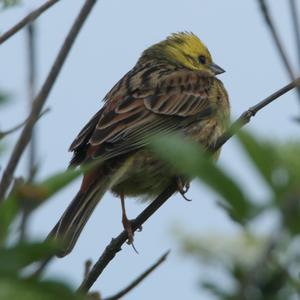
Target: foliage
[
  {"x": 9, "y": 3},
  {"x": 191, "y": 160},
  {"x": 258, "y": 266},
  {"x": 17, "y": 257}
]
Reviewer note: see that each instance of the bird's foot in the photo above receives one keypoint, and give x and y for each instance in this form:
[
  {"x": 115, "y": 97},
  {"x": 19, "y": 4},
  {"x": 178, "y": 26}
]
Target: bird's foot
[
  {"x": 183, "y": 187},
  {"x": 127, "y": 224}
]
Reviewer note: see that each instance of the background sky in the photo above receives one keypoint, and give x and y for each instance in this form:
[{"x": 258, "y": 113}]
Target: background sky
[{"x": 109, "y": 44}]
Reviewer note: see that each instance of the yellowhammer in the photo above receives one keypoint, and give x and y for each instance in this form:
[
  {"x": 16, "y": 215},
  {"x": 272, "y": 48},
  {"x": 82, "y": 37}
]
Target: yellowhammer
[{"x": 172, "y": 88}]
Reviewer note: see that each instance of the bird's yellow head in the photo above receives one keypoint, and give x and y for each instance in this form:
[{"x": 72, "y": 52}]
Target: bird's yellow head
[{"x": 183, "y": 49}]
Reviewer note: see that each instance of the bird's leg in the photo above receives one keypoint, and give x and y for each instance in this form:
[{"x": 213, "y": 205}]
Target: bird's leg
[
  {"x": 125, "y": 221},
  {"x": 183, "y": 187}
]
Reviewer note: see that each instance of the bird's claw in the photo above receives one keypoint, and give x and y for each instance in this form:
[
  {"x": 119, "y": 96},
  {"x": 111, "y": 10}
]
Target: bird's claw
[
  {"x": 127, "y": 224},
  {"x": 183, "y": 188}
]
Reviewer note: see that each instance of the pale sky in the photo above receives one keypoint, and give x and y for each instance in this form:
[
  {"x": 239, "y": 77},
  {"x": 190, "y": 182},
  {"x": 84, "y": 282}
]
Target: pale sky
[{"x": 108, "y": 46}]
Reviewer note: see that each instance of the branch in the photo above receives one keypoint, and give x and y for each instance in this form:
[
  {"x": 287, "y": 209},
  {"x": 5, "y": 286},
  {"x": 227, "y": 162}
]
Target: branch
[
  {"x": 115, "y": 245},
  {"x": 139, "y": 279},
  {"x": 17, "y": 127},
  {"x": 41, "y": 97},
  {"x": 31, "y": 84},
  {"x": 251, "y": 112},
  {"x": 296, "y": 25},
  {"x": 87, "y": 267},
  {"x": 29, "y": 18},
  {"x": 277, "y": 41}
]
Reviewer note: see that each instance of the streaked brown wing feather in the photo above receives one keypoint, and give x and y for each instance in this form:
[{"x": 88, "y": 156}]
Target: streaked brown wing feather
[
  {"x": 86, "y": 132},
  {"x": 157, "y": 106}
]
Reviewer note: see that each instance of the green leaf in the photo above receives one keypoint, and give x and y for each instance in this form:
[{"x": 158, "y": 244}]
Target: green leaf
[
  {"x": 13, "y": 259},
  {"x": 188, "y": 158},
  {"x": 288, "y": 155},
  {"x": 35, "y": 194},
  {"x": 214, "y": 289},
  {"x": 30, "y": 196},
  {"x": 8, "y": 212},
  {"x": 16, "y": 289},
  {"x": 57, "y": 182},
  {"x": 1, "y": 149},
  {"x": 4, "y": 98},
  {"x": 9, "y": 3},
  {"x": 262, "y": 155},
  {"x": 39, "y": 192}
]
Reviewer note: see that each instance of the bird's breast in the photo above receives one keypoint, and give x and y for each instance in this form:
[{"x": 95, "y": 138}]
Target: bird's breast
[{"x": 147, "y": 176}]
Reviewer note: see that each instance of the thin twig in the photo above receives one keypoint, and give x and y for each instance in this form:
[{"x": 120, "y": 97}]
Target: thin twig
[
  {"x": 41, "y": 98},
  {"x": 17, "y": 127},
  {"x": 279, "y": 45},
  {"x": 87, "y": 267},
  {"x": 139, "y": 279},
  {"x": 251, "y": 112},
  {"x": 115, "y": 245},
  {"x": 31, "y": 46},
  {"x": 296, "y": 25},
  {"x": 269, "y": 21},
  {"x": 26, "y": 208},
  {"x": 29, "y": 18}
]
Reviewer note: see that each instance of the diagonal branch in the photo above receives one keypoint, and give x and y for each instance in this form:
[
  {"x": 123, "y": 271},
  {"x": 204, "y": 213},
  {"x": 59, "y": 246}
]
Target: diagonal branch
[
  {"x": 41, "y": 97},
  {"x": 19, "y": 126},
  {"x": 139, "y": 279},
  {"x": 296, "y": 25},
  {"x": 116, "y": 243},
  {"x": 279, "y": 45},
  {"x": 251, "y": 112},
  {"x": 29, "y": 18}
]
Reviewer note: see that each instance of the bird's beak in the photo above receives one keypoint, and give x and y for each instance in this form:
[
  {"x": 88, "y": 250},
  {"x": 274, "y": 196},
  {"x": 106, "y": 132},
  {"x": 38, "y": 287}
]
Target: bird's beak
[{"x": 216, "y": 69}]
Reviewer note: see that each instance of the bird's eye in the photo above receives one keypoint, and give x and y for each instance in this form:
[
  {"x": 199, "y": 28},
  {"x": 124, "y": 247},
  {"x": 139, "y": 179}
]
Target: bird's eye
[{"x": 202, "y": 59}]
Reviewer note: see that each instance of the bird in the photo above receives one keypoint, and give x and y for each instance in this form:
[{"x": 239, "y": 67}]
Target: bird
[{"x": 172, "y": 88}]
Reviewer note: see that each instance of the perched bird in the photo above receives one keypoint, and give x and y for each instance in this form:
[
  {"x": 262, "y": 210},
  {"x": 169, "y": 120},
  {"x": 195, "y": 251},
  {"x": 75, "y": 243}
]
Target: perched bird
[{"x": 172, "y": 89}]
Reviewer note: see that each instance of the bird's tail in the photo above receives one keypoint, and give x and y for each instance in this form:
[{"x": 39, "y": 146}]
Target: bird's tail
[{"x": 70, "y": 225}]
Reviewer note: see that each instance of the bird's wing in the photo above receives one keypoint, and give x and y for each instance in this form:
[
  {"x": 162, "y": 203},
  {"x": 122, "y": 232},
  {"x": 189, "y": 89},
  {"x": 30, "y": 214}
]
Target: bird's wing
[{"x": 163, "y": 107}]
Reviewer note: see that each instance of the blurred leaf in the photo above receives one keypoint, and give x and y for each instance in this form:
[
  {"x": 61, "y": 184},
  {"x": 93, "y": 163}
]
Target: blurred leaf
[
  {"x": 93, "y": 296},
  {"x": 1, "y": 149},
  {"x": 288, "y": 155},
  {"x": 8, "y": 212},
  {"x": 291, "y": 212},
  {"x": 15, "y": 258},
  {"x": 16, "y": 289},
  {"x": 9, "y": 3},
  {"x": 190, "y": 159},
  {"x": 262, "y": 155},
  {"x": 30, "y": 196},
  {"x": 4, "y": 98},
  {"x": 37, "y": 193},
  {"x": 215, "y": 290}
]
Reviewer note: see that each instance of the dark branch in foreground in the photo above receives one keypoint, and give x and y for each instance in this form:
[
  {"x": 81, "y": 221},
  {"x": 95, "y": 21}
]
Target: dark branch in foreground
[
  {"x": 279, "y": 45},
  {"x": 41, "y": 98},
  {"x": 139, "y": 279},
  {"x": 116, "y": 243},
  {"x": 29, "y": 18}
]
